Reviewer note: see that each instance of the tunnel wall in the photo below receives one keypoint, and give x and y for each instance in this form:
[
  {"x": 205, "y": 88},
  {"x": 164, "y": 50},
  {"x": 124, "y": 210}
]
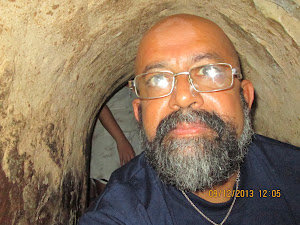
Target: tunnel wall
[{"x": 59, "y": 60}]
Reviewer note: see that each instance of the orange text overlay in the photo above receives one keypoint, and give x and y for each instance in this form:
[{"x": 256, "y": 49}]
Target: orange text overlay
[{"x": 244, "y": 193}]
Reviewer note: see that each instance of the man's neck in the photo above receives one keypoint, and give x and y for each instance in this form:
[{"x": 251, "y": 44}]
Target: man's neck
[{"x": 221, "y": 193}]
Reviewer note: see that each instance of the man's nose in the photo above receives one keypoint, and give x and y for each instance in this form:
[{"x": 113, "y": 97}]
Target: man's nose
[{"x": 184, "y": 95}]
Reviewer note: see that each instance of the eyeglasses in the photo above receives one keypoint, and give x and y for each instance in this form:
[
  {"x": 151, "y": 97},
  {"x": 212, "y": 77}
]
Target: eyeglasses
[{"x": 206, "y": 78}]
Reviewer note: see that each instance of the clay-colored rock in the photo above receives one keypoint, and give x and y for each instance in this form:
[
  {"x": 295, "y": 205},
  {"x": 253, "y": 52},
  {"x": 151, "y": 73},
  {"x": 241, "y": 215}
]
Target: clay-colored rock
[{"x": 60, "y": 60}]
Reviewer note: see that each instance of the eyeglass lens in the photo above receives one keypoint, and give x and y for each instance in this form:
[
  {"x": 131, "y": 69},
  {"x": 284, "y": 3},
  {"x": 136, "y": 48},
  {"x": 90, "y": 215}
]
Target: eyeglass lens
[{"x": 204, "y": 78}]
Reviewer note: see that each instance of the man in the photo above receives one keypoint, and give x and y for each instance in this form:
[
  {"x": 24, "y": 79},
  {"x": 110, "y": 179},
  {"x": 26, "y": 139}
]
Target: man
[{"x": 193, "y": 107}]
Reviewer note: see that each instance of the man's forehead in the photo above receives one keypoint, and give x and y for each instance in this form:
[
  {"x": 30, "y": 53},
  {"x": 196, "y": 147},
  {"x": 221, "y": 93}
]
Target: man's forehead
[
  {"x": 180, "y": 20},
  {"x": 181, "y": 23},
  {"x": 183, "y": 36},
  {"x": 192, "y": 59}
]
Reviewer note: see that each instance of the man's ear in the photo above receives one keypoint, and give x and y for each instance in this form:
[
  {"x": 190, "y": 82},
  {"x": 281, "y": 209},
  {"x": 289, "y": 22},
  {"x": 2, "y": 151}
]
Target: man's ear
[
  {"x": 248, "y": 92},
  {"x": 136, "y": 104}
]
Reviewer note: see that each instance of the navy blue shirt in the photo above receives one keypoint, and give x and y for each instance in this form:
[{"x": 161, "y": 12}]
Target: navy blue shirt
[{"x": 268, "y": 193}]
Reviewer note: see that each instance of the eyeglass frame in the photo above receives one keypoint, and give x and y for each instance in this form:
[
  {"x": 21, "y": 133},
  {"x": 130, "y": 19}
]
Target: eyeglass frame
[{"x": 234, "y": 72}]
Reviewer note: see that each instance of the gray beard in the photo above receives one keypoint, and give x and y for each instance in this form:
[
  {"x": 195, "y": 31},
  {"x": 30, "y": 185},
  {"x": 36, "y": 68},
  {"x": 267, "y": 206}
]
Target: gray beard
[{"x": 197, "y": 163}]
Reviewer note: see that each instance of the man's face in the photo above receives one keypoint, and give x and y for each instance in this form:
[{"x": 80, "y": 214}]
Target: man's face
[{"x": 179, "y": 48}]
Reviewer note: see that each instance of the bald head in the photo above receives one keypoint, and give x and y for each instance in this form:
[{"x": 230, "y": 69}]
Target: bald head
[
  {"x": 178, "y": 44},
  {"x": 178, "y": 32}
]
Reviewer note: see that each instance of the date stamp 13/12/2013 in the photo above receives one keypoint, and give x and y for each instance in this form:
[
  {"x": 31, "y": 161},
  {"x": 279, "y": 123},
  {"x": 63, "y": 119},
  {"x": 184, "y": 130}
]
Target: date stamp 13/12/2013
[{"x": 245, "y": 193}]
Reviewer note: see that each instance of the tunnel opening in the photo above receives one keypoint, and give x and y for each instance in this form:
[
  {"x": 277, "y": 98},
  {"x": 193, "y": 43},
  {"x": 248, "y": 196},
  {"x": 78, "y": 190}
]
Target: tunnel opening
[{"x": 114, "y": 137}]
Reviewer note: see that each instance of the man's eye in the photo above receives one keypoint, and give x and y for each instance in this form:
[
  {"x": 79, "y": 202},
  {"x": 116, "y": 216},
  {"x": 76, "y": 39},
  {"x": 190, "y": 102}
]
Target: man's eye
[
  {"x": 210, "y": 71},
  {"x": 157, "y": 80}
]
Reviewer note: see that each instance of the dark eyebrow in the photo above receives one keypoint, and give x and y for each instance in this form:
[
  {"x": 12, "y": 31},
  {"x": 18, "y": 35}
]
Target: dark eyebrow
[
  {"x": 202, "y": 56},
  {"x": 154, "y": 66}
]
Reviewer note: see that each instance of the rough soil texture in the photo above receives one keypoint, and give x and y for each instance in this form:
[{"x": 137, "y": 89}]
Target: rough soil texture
[{"x": 60, "y": 60}]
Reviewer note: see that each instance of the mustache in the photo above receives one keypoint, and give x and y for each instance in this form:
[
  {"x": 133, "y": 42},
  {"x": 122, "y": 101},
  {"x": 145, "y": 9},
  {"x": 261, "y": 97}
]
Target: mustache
[{"x": 211, "y": 119}]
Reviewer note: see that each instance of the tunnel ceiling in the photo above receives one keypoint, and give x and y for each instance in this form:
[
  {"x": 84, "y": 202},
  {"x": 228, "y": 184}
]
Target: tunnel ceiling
[
  {"x": 80, "y": 51},
  {"x": 88, "y": 47}
]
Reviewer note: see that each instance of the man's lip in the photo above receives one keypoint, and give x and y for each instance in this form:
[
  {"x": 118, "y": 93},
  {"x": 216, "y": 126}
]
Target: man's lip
[{"x": 190, "y": 129}]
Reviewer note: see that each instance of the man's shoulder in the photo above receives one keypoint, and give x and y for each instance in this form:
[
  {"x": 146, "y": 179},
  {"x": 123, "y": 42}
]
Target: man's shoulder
[
  {"x": 274, "y": 147},
  {"x": 135, "y": 179},
  {"x": 133, "y": 170},
  {"x": 274, "y": 154},
  {"x": 126, "y": 195},
  {"x": 277, "y": 160},
  {"x": 277, "y": 163}
]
